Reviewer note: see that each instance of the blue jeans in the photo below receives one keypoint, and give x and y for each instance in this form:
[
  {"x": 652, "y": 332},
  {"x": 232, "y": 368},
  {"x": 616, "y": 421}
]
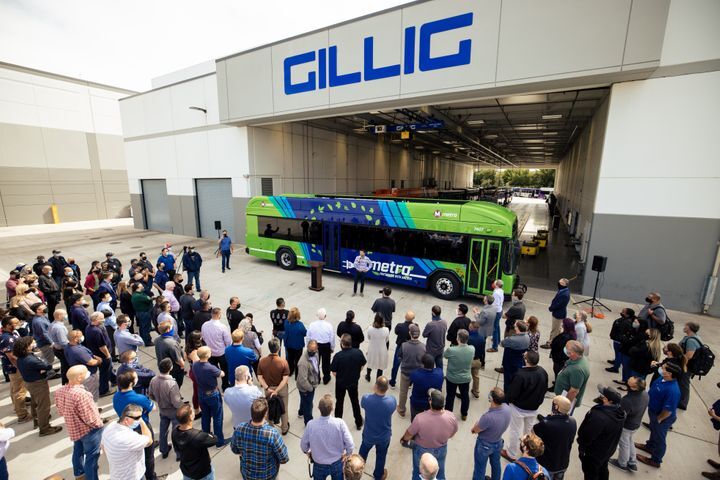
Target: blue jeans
[
  {"x": 225, "y": 259},
  {"x": 617, "y": 361},
  {"x": 483, "y": 451},
  {"x": 3, "y": 469},
  {"x": 626, "y": 370},
  {"x": 396, "y": 366},
  {"x": 381, "y": 450},
  {"x": 86, "y": 452},
  {"x": 306, "y": 405},
  {"x": 496, "y": 330},
  {"x": 165, "y": 423},
  {"x": 438, "y": 453},
  {"x": 143, "y": 319},
  {"x": 439, "y": 361},
  {"x": 280, "y": 336},
  {"x": 212, "y": 406},
  {"x": 194, "y": 278},
  {"x": 335, "y": 471},
  {"x": 657, "y": 442},
  {"x": 209, "y": 476}
]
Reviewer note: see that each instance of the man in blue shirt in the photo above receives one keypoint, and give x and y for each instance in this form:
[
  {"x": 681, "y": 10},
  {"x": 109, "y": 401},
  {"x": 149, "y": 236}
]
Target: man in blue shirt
[
  {"x": 422, "y": 380},
  {"x": 558, "y": 309},
  {"x": 237, "y": 354},
  {"x": 379, "y": 409},
  {"x": 664, "y": 398},
  {"x": 191, "y": 262},
  {"x": 144, "y": 374},
  {"x": 77, "y": 354},
  {"x": 226, "y": 249},
  {"x": 126, "y": 396}
]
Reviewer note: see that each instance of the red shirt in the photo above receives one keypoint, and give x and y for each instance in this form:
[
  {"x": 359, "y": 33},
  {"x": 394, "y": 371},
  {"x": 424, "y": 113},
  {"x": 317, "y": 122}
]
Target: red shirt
[{"x": 81, "y": 414}]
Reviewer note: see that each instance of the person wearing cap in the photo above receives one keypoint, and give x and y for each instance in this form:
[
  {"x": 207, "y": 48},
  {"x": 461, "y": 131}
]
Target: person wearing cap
[
  {"x": 599, "y": 433},
  {"x": 58, "y": 264},
  {"x": 634, "y": 403},
  {"x": 115, "y": 266},
  {"x": 558, "y": 309},
  {"x": 191, "y": 263},
  {"x": 662, "y": 409},
  {"x": 385, "y": 306},
  {"x": 411, "y": 354},
  {"x": 557, "y": 431},
  {"x": 38, "y": 266}
]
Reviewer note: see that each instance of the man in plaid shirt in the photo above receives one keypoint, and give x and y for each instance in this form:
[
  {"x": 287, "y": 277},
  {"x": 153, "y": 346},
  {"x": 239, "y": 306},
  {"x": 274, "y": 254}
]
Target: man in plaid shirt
[
  {"x": 83, "y": 422},
  {"x": 259, "y": 444}
]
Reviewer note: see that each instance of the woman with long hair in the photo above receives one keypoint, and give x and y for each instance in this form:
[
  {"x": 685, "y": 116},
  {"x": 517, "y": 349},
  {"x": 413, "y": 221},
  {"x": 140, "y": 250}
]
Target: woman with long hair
[
  {"x": 251, "y": 340},
  {"x": 92, "y": 282},
  {"x": 582, "y": 330},
  {"x": 377, "y": 354},
  {"x": 533, "y": 333},
  {"x": 21, "y": 303},
  {"x": 351, "y": 328},
  {"x": 644, "y": 353},
  {"x": 295, "y": 332},
  {"x": 192, "y": 343}
]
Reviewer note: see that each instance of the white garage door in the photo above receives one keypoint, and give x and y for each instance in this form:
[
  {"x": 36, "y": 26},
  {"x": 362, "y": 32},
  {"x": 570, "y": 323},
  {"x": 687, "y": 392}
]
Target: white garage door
[
  {"x": 155, "y": 202},
  {"x": 215, "y": 203}
]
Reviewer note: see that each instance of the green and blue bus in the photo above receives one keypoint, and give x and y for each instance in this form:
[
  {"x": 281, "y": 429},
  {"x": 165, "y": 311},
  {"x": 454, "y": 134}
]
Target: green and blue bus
[{"x": 451, "y": 247}]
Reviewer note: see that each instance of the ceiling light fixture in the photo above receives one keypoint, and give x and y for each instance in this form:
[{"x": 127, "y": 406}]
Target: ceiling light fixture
[
  {"x": 548, "y": 134},
  {"x": 491, "y": 136},
  {"x": 551, "y": 117},
  {"x": 476, "y": 122}
]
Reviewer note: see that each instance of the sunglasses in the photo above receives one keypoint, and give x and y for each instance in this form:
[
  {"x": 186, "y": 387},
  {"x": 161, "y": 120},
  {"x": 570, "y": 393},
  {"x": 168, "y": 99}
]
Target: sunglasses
[{"x": 135, "y": 418}]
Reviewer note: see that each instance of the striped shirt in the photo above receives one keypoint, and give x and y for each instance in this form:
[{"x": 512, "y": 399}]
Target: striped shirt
[
  {"x": 261, "y": 450},
  {"x": 328, "y": 438}
]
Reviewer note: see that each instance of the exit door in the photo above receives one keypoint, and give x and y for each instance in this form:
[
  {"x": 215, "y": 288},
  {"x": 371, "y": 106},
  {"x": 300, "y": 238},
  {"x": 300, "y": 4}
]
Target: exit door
[
  {"x": 331, "y": 245},
  {"x": 483, "y": 265}
]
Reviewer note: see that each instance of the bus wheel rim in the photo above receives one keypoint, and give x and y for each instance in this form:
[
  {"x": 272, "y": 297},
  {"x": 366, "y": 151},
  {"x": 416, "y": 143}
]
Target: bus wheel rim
[
  {"x": 444, "y": 285},
  {"x": 285, "y": 258}
]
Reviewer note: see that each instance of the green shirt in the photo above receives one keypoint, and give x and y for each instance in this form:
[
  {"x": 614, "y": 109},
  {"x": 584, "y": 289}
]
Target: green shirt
[
  {"x": 460, "y": 359},
  {"x": 141, "y": 302},
  {"x": 575, "y": 375}
]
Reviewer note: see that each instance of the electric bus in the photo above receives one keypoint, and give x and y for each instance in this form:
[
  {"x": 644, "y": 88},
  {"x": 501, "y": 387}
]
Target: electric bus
[{"x": 450, "y": 247}]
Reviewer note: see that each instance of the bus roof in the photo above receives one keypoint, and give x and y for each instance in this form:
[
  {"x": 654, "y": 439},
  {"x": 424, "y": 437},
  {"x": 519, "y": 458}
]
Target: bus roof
[{"x": 461, "y": 216}]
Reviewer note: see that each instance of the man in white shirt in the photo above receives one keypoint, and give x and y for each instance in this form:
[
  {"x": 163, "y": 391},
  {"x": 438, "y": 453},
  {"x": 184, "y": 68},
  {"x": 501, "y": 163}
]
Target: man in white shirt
[
  {"x": 323, "y": 333},
  {"x": 216, "y": 335},
  {"x": 125, "y": 449},
  {"x": 170, "y": 297},
  {"x": 240, "y": 397},
  {"x": 498, "y": 300},
  {"x": 362, "y": 265}
]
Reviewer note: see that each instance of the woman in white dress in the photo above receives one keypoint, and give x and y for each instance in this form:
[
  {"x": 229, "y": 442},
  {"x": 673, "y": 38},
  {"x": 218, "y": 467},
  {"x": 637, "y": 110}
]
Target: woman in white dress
[
  {"x": 582, "y": 329},
  {"x": 377, "y": 354}
]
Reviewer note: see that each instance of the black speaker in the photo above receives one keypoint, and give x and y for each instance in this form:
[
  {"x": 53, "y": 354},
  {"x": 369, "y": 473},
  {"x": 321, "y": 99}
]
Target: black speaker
[
  {"x": 599, "y": 263},
  {"x": 218, "y": 225}
]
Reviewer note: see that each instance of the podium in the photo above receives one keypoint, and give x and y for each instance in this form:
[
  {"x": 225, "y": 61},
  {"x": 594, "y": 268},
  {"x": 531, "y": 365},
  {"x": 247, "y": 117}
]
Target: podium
[{"x": 316, "y": 269}]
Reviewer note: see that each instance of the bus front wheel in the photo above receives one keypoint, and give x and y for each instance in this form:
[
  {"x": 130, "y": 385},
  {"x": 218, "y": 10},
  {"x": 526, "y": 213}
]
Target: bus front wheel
[
  {"x": 286, "y": 259},
  {"x": 445, "y": 285}
]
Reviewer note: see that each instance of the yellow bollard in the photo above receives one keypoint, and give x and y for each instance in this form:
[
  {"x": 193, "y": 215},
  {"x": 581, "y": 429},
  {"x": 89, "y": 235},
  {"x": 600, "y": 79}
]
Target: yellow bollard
[{"x": 53, "y": 209}]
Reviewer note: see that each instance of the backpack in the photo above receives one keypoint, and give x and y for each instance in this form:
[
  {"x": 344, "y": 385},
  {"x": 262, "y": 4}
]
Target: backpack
[
  {"x": 667, "y": 329},
  {"x": 702, "y": 361},
  {"x": 540, "y": 475}
]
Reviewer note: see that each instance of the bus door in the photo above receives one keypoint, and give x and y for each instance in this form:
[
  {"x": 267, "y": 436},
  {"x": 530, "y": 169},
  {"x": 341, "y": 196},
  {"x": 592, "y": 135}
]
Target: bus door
[
  {"x": 476, "y": 266},
  {"x": 492, "y": 264},
  {"x": 331, "y": 245}
]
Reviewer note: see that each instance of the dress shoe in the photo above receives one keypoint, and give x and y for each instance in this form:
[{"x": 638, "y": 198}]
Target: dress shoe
[
  {"x": 611, "y": 362},
  {"x": 476, "y": 395},
  {"x": 713, "y": 463},
  {"x": 648, "y": 461},
  {"x": 25, "y": 419},
  {"x": 108, "y": 393},
  {"x": 402, "y": 414},
  {"x": 643, "y": 447},
  {"x": 491, "y": 350},
  {"x": 546, "y": 346},
  {"x": 50, "y": 431},
  {"x": 384, "y": 477},
  {"x": 619, "y": 382},
  {"x": 616, "y": 464},
  {"x": 504, "y": 453},
  {"x": 165, "y": 455},
  {"x": 711, "y": 475},
  {"x": 647, "y": 425},
  {"x": 612, "y": 370},
  {"x": 500, "y": 370},
  {"x": 464, "y": 417}
]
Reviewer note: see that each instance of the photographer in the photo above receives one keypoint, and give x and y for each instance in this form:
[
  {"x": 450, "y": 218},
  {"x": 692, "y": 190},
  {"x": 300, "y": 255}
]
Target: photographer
[{"x": 191, "y": 263}]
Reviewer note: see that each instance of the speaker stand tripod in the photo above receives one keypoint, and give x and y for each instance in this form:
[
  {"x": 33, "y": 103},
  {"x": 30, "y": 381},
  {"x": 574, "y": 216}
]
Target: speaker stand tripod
[{"x": 594, "y": 300}]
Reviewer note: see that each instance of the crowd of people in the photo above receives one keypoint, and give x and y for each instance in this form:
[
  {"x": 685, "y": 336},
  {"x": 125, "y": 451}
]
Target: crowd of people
[{"x": 222, "y": 354}]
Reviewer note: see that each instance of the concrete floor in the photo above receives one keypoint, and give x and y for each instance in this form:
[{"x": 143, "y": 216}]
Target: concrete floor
[{"x": 258, "y": 283}]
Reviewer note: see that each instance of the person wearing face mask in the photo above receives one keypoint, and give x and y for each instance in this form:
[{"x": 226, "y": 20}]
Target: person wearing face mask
[
  {"x": 620, "y": 329},
  {"x": 129, "y": 363},
  {"x": 167, "y": 347},
  {"x": 143, "y": 263},
  {"x": 34, "y": 373},
  {"x": 191, "y": 262},
  {"x": 634, "y": 403},
  {"x": 647, "y": 350},
  {"x": 515, "y": 312},
  {"x": 58, "y": 264},
  {"x": 489, "y": 430},
  {"x": 461, "y": 322},
  {"x": 123, "y": 445},
  {"x": 225, "y": 249},
  {"x": 49, "y": 287},
  {"x": 653, "y": 312},
  {"x": 599, "y": 433},
  {"x": 77, "y": 354},
  {"x": 573, "y": 378},
  {"x": 557, "y": 350},
  {"x": 115, "y": 266},
  {"x": 125, "y": 397},
  {"x": 98, "y": 341},
  {"x": 558, "y": 309},
  {"x": 124, "y": 340},
  {"x": 557, "y": 431},
  {"x": 75, "y": 269},
  {"x": 164, "y": 390},
  {"x": 307, "y": 380},
  {"x": 58, "y": 335},
  {"x": 38, "y": 266},
  {"x": 662, "y": 409},
  {"x": 83, "y": 422}
]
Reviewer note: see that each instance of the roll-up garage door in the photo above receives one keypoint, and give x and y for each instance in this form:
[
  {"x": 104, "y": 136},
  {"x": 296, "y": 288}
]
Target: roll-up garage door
[
  {"x": 215, "y": 203},
  {"x": 157, "y": 215}
]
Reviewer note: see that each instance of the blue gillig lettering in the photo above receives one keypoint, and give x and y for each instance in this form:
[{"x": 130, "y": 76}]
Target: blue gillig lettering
[{"x": 327, "y": 61}]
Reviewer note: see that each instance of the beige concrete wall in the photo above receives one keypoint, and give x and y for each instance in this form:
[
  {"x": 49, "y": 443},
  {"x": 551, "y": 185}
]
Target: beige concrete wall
[{"x": 82, "y": 173}]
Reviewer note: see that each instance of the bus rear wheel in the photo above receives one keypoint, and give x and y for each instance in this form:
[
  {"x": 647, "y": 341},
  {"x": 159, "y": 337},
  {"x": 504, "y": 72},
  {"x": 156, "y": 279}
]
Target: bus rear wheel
[
  {"x": 286, "y": 259},
  {"x": 445, "y": 285}
]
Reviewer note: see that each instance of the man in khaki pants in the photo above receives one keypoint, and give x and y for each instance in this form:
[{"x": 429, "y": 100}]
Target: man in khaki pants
[
  {"x": 558, "y": 309},
  {"x": 9, "y": 364},
  {"x": 273, "y": 374}
]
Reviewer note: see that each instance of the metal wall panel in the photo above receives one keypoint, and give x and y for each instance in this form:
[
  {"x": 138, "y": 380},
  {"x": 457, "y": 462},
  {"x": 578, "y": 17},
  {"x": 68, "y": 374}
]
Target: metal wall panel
[
  {"x": 215, "y": 202},
  {"x": 155, "y": 203}
]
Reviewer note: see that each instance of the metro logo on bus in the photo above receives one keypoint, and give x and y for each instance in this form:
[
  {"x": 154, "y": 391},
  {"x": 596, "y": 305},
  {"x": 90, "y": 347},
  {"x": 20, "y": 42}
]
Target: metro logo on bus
[{"x": 326, "y": 73}]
